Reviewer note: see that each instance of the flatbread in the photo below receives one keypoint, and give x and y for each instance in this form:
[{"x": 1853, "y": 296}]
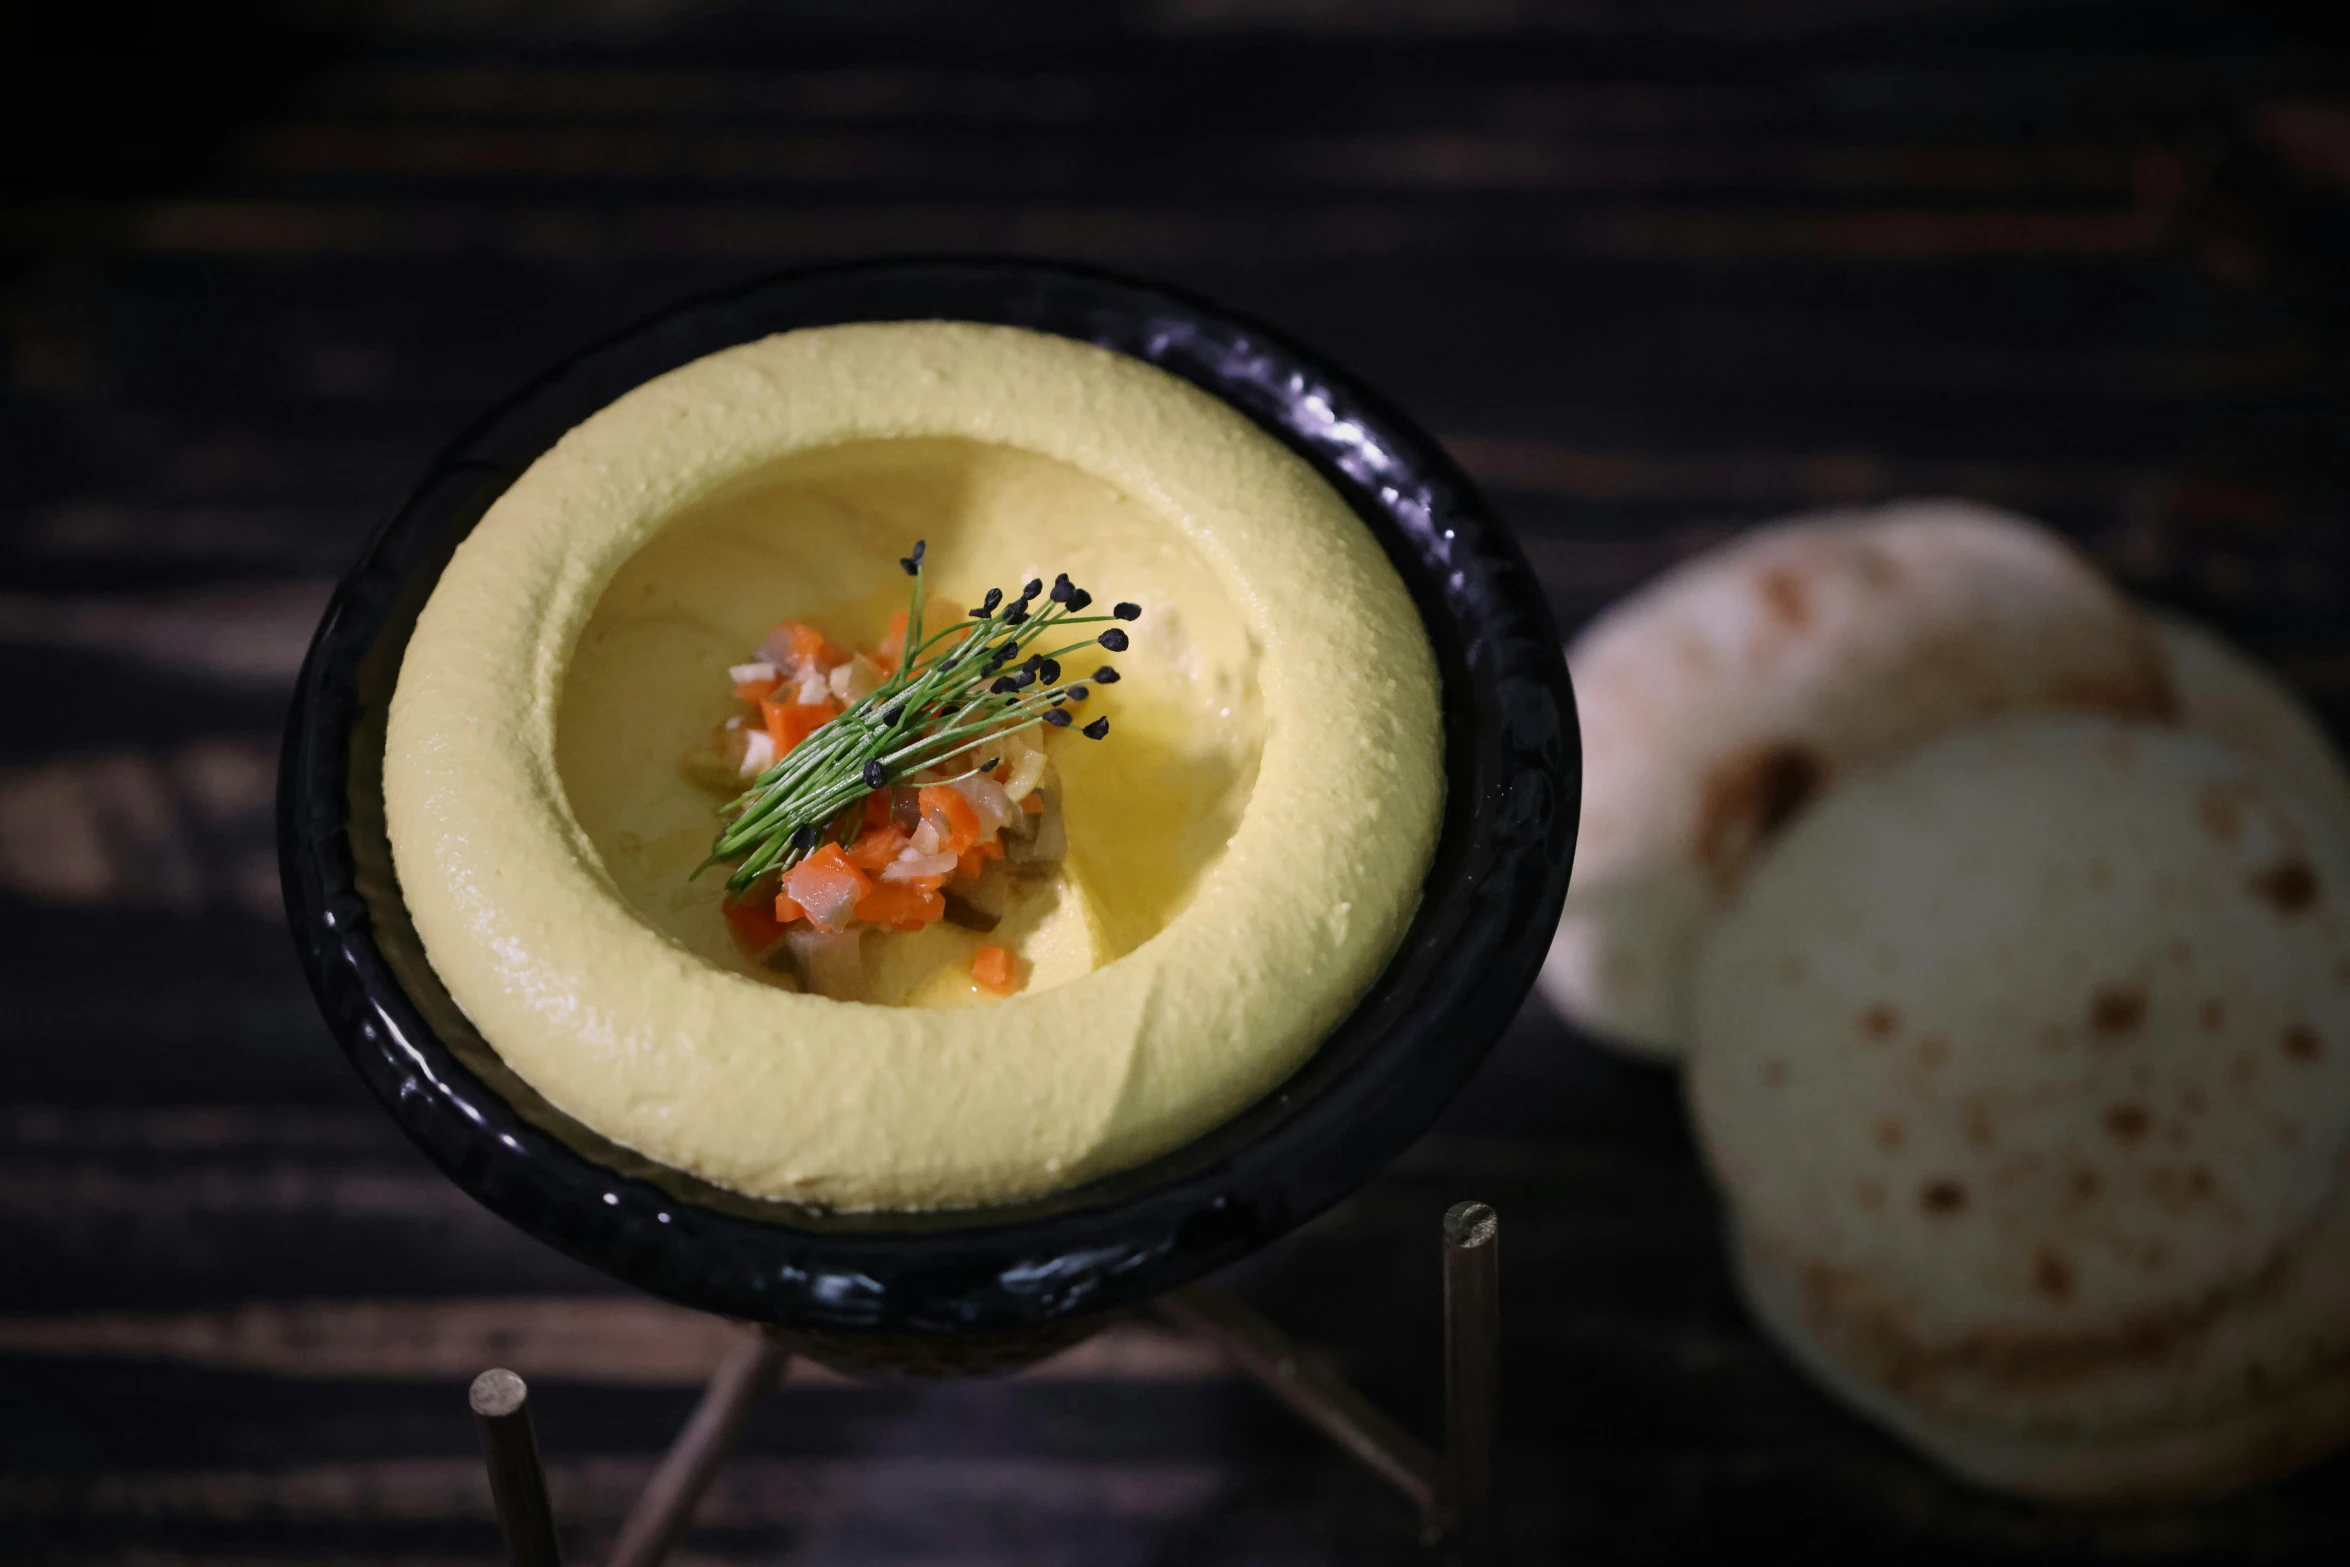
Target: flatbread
[
  {"x": 2224, "y": 693},
  {"x": 2246, "y": 1391},
  {"x": 2024, "y": 1061},
  {"x": 1720, "y": 699}
]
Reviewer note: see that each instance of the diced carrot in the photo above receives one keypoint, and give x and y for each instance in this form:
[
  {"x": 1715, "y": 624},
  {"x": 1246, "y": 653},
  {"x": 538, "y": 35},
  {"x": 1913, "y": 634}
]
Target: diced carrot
[
  {"x": 876, "y": 847},
  {"x": 788, "y": 723},
  {"x": 827, "y": 887},
  {"x": 1032, "y": 803},
  {"x": 973, "y": 860},
  {"x": 754, "y": 925},
  {"x": 757, "y": 690},
  {"x": 904, "y": 905},
  {"x": 893, "y": 643},
  {"x": 877, "y": 808},
  {"x": 803, "y": 644},
  {"x": 952, "y": 815},
  {"x": 786, "y": 911},
  {"x": 994, "y": 969}
]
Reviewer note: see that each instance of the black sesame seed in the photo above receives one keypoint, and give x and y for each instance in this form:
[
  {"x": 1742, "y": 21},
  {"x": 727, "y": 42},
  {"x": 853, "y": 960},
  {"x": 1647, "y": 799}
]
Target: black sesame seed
[
  {"x": 1062, "y": 588},
  {"x": 1035, "y": 586},
  {"x": 1017, "y": 614},
  {"x": 1023, "y": 680},
  {"x": 876, "y": 775},
  {"x": 990, "y": 764},
  {"x": 1049, "y": 671},
  {"x": 1077, "y": 693},
  {"x": 995, "y": 596},
  {"x": 804, "y": 838},
  {"x": 1005, "y": 685},
  {"x": 913, "y": 563},
  {"x": 1113, "y": 639},
  {"x": 891, "y": 718},
  {"x": 1105, "y": 676},
  {"x": 1127, "y": 611},
  {"x": 1078, "y": 600},
  {"x": 1096, "y": 730},
  {"x": 1057, "y": 718}
]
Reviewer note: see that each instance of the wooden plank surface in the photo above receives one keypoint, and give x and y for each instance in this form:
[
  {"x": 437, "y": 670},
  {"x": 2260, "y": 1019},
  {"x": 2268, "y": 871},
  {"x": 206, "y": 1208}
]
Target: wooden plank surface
[{"x": 1652, "y": 272}]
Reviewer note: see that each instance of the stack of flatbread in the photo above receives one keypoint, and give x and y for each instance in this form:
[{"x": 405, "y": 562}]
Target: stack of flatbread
[{"x": 2005, "y": 932}]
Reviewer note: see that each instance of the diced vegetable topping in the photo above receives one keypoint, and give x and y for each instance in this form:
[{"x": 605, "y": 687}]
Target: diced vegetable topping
[
  {"x": 755, "y": 925},
  {"x": 992, "y": 967},
  {"x": 893, "y": 790},
  {"x": 827, "y": 887},
  {"x": 788, "y": 723},
  {"x": 903, "y": 905}
]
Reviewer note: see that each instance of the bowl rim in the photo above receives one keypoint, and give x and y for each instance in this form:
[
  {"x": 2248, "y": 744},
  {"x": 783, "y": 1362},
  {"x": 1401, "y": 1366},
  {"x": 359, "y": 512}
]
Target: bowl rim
[{"x": 1469, "y": 957}]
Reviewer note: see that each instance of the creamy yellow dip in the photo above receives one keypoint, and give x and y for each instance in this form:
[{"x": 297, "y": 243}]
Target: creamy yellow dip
[{"x": 1245, "y": 849}]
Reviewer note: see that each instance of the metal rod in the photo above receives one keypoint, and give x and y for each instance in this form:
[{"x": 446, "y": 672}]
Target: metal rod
[
  {"x": 1309, "y": 1388},
  {"x": 501, "y": 1408},
  {"x": 693, "y": 1460},
  {"x": 1472, "y": 1375}
]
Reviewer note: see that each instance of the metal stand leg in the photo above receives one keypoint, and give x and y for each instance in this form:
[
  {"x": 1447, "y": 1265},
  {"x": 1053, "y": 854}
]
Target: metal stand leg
[
  {"x": 1472, "y": 1374},
  {"x": 693, "y": 1460},
  {"x": 501, "y": 1408},
  {"x": 1273, "y": 1358}
]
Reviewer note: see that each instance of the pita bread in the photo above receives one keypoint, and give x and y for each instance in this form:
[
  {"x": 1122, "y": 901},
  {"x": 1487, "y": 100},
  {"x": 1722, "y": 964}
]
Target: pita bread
[
  {"x": 2244, "y": 1392},
  {"x": 1721, "y": 698},
  {"x": 2025, "y": 1063},
  {"x": 2222, "y": 692}
]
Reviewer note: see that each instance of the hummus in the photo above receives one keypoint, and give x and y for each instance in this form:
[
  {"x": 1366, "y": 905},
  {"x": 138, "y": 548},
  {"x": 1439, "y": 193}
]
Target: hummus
[{"x": 1245, "y": 850}]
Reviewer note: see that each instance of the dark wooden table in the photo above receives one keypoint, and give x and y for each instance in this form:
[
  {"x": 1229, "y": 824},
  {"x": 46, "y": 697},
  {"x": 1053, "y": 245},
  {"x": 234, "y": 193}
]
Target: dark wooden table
[{"x": 1653, "y": 271}]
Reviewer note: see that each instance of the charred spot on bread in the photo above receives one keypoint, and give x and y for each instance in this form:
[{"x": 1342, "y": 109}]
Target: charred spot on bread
[
  {"x": 1944, "y": 1196},
  {"x": 1787, "y": 597},
  {"x": 1747, "y": 797},
  {"x": 2052, "y": 1275},
  {"x": 2290, "y": 886},
  {"x": 2116, "y": 1009}
]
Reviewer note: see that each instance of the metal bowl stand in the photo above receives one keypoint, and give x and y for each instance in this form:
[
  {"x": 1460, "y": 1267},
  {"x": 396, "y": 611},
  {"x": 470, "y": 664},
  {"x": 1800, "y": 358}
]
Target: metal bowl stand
[{"x": 1452, "y": 1490}]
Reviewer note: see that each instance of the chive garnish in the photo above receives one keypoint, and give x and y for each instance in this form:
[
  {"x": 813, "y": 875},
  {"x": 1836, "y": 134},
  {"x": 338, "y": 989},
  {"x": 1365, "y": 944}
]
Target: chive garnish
[{"x": 947, "y": 694}]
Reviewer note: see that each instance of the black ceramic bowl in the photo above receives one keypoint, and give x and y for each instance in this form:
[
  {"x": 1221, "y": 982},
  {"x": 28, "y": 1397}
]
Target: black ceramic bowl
[{"x": 1492, "y": 898}]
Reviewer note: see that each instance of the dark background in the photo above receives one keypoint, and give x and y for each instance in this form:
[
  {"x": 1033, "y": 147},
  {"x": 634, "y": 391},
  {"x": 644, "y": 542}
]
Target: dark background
[{"x": 1652, "y": 271}]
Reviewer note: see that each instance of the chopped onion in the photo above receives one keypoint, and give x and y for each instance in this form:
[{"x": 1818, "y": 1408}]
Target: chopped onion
[
  {"x": 758, "y": 753},
  {"x": 910, "y": 866},
  {"x": 831, "y": 963},
  {"x": 995, "y": 807},
  {"x": 860, "y": 677},
  {"x": 814, "y": 688},
  {"x": 833, "y": 909},
  {"x": 926, "y": 838},
  {"x": 1027, "y": 766},
  {"x": 759, "y": 669}
]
